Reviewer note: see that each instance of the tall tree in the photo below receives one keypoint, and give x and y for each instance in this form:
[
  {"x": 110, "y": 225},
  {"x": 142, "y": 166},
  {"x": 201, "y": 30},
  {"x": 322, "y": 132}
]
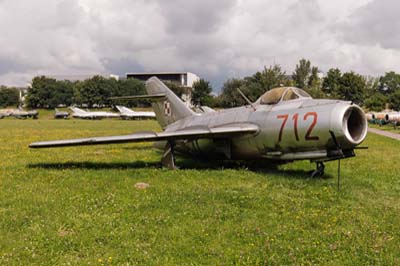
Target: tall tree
[
  {"x": 94, "y": 91},
  {"x": 129, "y": 87},
  {"x": 331, "y": 82},
  {"x": 9, "y": 96},
  {"x": 229, "y": 96},
  {"x": 376, "y": 102},
  {"x": 62, "y": 94},
  {"x": 201, "y": 92},
  {"x": 389, "y": 83},
  {"x": 42, "y": 92},
  {"x": 271, "y": 77},
  {"x": 394, "y": 100},
  {"x": 301, "y": 74},
  {"x": 352, "y": 87},
  {"x": 314, "y": 84}
]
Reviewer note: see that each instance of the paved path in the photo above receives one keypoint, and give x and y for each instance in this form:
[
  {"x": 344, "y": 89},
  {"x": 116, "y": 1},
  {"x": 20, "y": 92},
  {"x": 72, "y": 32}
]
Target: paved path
[{"x": 385, "y": 133}]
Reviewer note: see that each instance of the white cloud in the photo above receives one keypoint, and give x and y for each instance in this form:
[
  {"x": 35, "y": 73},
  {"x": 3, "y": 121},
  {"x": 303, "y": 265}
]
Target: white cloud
[{"x": 216, "y": 39}]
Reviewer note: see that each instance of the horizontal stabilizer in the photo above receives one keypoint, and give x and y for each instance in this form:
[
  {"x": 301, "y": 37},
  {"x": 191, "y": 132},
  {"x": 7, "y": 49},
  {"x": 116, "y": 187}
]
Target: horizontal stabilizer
[
  {"x": 189, "y": 133},
  {"x": 140, "y": 97}
]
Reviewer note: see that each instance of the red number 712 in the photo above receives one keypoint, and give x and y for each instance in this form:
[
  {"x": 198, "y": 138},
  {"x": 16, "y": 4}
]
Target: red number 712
[{"x": 295, "y": 118}]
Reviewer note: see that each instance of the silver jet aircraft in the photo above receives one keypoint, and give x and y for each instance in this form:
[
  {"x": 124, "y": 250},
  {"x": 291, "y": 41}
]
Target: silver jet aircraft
[
  {"x": 284, "y": 124},
  {"x": 79, "y": 113},
  {"x": 19, "y": 113},
  {"x": 127, "y": 113},
  {"x": 60, "y": 114}
]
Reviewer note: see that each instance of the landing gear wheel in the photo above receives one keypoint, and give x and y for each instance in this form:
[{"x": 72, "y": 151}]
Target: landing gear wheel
[{"x": 319, "y": 171}]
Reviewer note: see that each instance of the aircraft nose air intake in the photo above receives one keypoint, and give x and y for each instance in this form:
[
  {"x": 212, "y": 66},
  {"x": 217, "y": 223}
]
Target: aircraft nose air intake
[{"x": 354, "y": 124}]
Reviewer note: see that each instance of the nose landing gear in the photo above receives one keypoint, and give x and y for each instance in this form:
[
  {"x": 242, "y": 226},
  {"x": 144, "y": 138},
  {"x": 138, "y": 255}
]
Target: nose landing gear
[{"x": 319, "y": 171}]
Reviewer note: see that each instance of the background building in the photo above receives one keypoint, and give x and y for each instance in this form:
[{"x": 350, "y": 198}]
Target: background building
[{"x": 184, "y": 79}]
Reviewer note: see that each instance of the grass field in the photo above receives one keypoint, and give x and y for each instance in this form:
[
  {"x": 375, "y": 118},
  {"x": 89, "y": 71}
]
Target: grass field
[
  {"x": 79, "y": 205},
  {"x": 388, "y": 127}
]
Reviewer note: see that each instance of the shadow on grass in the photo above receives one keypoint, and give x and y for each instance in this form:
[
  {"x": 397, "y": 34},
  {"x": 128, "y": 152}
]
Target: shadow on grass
[
  {"x": 263, "y": 167},
  {"x": 96, "y": 165}
]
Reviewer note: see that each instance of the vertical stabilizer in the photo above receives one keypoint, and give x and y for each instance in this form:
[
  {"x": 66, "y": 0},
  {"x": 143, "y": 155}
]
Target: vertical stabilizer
[
  {"x": 78, "y": 111},
  {"x": 168, "y": 109}
]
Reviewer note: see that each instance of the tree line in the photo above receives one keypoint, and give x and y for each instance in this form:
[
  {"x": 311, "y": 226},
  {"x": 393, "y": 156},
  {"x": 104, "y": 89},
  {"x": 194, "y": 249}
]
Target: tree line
[
  {"x": 9, "y": 96},
  {"x": 49, "y": 93},
  {"x": 370, "y": 92},
  {"x": 93, "y": 92}
]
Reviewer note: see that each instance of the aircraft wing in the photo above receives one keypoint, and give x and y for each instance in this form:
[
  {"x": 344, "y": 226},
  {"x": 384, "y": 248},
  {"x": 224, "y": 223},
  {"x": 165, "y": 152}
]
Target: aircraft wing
[{"x": 184, "y": 134}]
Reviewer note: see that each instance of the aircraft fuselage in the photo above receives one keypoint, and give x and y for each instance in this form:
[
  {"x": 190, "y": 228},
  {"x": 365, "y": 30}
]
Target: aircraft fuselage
[{"x": 293, "y": 130}]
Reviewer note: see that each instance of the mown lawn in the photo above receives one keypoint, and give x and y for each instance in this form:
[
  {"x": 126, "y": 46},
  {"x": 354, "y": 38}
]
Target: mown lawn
[
  {"x": 79, "y": 205},
  {"x": 387, "y": 127}
]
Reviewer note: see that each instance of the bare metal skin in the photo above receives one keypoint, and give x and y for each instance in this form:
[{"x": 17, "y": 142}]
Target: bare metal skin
[
  {"x": 79, "y": 113},
  {"x": 127, "y": 113},
  {"x": 19, "y": 113},
  {"x": 284, "y": 124}
]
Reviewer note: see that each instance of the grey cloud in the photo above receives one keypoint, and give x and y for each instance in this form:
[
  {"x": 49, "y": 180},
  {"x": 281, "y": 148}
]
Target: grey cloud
[
  {"x": 10, "y": 64},
  {"x": 216, "y": 39},
  {"x": 68, "y": 14},
  {"x": 305, "y": 12},
  {"x": 377, "y": 23},
  {"x": 121, "y": 66},
  {"x": 194, "y": 16}
]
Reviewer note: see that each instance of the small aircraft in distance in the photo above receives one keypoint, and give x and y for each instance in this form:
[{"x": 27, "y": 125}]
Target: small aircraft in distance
[
  {"x": 61, "y": 114},
  {"x": 384, "y": 117},
  {"x": 19, "y": 113},
  {"x": 393, "y": 118},
  {"x": 127, "y": 113},
  {"x": 284, "y": 124},
  {"x": 79, "y": 113}
]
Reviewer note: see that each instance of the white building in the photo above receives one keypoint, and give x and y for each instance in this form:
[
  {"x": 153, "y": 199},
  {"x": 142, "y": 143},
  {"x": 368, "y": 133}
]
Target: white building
[{"x": 184, "y": 79}]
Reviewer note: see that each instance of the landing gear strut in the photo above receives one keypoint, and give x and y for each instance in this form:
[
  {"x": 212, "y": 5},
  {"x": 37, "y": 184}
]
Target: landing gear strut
[
  {"x": 168, "y": 158},
  {"x": 319, "y": 171}
]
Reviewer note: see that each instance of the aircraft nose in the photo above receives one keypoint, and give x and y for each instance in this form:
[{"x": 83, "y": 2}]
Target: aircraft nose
[
  {"x": 350, "y": 124},
  {"x": 355, "y": 124}
]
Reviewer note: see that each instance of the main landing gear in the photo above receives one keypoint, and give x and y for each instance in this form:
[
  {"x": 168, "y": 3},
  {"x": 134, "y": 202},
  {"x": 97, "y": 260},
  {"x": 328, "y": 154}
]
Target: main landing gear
[
  {"x": 168, "y": 158},
  {"x": 319, "y": 171}
]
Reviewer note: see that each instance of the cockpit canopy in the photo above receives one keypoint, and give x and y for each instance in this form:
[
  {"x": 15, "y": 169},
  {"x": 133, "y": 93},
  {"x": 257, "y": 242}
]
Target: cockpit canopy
[{"x": 277, "y": 95}]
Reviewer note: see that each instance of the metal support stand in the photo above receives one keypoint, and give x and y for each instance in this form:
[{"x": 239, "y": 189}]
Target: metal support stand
[
  {"x": 338, "y": 176},
  {"x": 168, "y": 158}
]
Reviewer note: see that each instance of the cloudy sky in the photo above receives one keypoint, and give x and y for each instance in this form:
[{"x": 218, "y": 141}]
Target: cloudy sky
[{"x": 217, "y": 39}]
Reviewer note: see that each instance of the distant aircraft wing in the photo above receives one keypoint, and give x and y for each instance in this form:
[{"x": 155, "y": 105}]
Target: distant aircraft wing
[
  {"x": 185, "y": 134},
  {"x": 140, "y": 97}
]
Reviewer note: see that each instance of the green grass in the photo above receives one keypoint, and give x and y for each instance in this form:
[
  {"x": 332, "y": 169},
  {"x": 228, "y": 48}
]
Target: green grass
[
  {"x": 388, "y": 127},
  {"x": 79, "y": 205}
]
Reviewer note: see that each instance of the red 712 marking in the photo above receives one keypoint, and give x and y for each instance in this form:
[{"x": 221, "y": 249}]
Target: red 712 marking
[
  {"x": 295, "y": 118},
  {"x": 285, "y": 118}
]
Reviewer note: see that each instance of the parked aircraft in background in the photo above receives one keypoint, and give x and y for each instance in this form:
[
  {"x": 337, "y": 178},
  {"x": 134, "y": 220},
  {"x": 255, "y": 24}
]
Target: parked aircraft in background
[
  {"x": 393, "y": 118},
  {"x": 19, "y": 113},
  {"x": 79, "y": 113},
  {"x": 127, "y": 113},
  {"x": 384, "y": 117},
  {"x": 60, "y": 114},
  {"x": 284, "y": 124}
]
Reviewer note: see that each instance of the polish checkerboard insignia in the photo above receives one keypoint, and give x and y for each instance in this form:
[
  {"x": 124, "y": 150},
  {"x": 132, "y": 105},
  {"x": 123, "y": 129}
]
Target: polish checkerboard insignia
[{"x": 167, "y": 108}]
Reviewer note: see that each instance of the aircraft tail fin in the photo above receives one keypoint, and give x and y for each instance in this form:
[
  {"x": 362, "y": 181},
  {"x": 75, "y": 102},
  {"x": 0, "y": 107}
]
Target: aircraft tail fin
[
  {"x": 170, "y": 108},
  {"x": 77, "y": 110},
  {"x": 124, "y": 110}
]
